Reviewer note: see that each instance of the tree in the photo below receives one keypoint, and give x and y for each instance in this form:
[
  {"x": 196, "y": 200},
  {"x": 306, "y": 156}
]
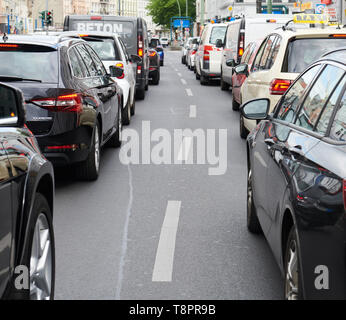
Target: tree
[{"x": 163, "y": 10}]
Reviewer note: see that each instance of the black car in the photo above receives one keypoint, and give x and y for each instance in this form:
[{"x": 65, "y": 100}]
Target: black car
[
  {"x": 73, "y": 105},
  {"x": 132, "y": 30},
  {"x": 154, "y": 74},
  {"x": 297, "y": 179},
  {"x": 27, "y": 254}
]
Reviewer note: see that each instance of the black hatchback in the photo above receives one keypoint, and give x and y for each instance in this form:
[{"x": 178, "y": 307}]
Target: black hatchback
[
  {"x": 297, "y": 179},
  {"x": 72, "y": 103},
  {"x": 27, "y": 251}
]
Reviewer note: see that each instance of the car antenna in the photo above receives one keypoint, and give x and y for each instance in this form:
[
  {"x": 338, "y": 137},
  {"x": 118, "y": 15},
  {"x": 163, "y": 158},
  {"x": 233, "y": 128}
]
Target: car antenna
[{"x": 5, "y": 37}]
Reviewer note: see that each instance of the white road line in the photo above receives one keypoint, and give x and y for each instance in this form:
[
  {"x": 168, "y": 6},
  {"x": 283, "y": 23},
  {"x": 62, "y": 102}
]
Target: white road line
[
  {"x": 193, "y": 111},
  {"x": 189, "y": 92},
  {"x": 179, "y": 74},
  {"x": 163, "y": 267},
  {"x": 183, "y": 81},
  {"x": 185, "y": 149}
]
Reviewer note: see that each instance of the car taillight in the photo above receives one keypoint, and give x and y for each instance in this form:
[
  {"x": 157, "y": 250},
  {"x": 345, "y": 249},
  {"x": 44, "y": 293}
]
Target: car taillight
[
  {"x": 152, "y": 53},
  {"x": 63, "y": 103},
  {"x": 206, "y": 53},
  {"x": 241, "y": 46},
  {"x": 279, "y": 86},
  {"x": 344, "y": 193},
  {"x": 140, "y": 46},
  {"x": 193, "y": 51},
  {"x": 96, "y": 18},
  {"x": 139, "y": 69},
  {"x": 140, "y": 52},
  {"x": 120, "y": 65}
]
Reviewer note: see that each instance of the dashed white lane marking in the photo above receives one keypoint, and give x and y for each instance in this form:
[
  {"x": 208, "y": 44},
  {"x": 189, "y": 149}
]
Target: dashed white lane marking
[
  {"x": 189, "y": 92},
  {"x": 183, "y": 81},
  {"x": 163, "y": 267},
  {"x": 193, "y": 111},
  {"x": 179, "y": 74},
  {"x": 185, "y": 149}
]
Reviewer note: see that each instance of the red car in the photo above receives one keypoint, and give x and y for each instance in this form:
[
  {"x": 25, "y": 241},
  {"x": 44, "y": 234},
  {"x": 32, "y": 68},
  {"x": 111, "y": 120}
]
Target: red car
[{"x": 238, "y": 79}]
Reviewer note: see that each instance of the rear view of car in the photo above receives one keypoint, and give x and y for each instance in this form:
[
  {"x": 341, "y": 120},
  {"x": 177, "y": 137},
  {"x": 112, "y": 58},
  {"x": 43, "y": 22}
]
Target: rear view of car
[
  {"x": 155, "y": 44},
  {"x": 164, "y": 42},
  {"x": 208, "y": 59},
  {"x": 154, "y": 74}
]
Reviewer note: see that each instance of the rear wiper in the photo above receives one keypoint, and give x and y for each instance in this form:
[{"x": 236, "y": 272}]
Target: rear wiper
[{"x": 10, "y": 78}]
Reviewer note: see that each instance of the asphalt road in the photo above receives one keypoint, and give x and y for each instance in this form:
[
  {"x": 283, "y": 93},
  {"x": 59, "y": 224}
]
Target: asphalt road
[{"x": 112, "y": 237}]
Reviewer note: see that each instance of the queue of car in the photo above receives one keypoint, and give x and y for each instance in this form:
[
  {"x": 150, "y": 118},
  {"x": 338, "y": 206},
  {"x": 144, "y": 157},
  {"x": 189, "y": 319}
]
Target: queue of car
[
  {"x": 63, "y": 97},
  {"x": 289, "y": 82}
]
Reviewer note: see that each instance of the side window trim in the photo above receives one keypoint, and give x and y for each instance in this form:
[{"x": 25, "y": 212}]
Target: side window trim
[
  {"x": 80, "y": 61},
  {"x": 264, "y": 43}
]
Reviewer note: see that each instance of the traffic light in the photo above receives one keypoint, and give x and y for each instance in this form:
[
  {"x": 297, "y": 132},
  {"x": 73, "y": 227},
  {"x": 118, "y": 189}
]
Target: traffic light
[
  {"x": 43, "y": 15},
  {"x": 49, "y": 18}
]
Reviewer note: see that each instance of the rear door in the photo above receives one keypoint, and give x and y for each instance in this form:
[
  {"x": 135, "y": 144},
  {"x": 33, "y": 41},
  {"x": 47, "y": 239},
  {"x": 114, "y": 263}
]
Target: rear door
[
  {"x": 215, "y": 54},
  {"x": 231, "y": 48}
]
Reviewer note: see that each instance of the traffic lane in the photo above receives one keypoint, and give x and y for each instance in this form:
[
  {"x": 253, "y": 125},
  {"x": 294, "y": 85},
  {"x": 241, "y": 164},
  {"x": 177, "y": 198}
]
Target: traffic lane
[
  {"x": 215, "y": 256},
  {"x": 89, "y": 219}
]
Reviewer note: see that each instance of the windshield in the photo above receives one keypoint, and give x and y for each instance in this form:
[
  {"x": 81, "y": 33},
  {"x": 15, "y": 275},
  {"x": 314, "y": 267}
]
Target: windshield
[
  {"x": 217, "y": 33},
  {"x": 154, "y": 43},
  {"x": 30, "y": 62},
  {"x": 105, "y": 49},
  {"x": 302, "y": 52}
]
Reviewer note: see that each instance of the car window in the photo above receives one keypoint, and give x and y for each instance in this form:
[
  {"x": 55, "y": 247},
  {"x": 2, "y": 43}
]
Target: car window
[
  {"x": 338, "y": 130},
  {"x": 273, "y": 54},
  {"x": 101, "y": 71},
  {"x": 289, "y": 103},
  {"x": 266, "y": 52},
  {"x": 217, "y": 33},
  {"x": 327, "y": 112},
  {"x": 256, "y": 64},
  {"x": 105, "y": 48},
  {"x": 317, "y": 97},
  {"x": 247, "y": 53},
  {"x": 124, "y": 50},
  {"x": 78, "y": 69},
  {"x": 87, "y": 60}
]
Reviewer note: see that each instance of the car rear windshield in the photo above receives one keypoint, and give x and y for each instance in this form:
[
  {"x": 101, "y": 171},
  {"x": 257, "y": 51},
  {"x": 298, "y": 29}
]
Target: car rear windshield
[
  {"x": 302, "y": 52},
  {"x": 29, "y": 62},
  {"x": 217, "y": 33},
  {"x": 105, "y": 48},
  {"x": 154, "y": 43}
]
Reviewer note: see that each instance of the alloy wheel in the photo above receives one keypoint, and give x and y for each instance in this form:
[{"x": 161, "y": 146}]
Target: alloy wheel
[
  {"x": 291, "y": 281},
  {"x": 41, "y": 261},
  {"x": 97, "y": 149}
]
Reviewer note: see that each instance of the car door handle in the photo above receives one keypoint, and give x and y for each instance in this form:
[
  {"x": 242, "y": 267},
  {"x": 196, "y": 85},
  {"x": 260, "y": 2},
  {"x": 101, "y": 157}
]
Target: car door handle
[{"x": 296, "y": 151}]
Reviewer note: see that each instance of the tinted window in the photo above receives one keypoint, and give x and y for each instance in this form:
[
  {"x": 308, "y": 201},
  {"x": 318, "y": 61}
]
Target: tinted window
[
  {"x": 217, "y": 33},
  {"x": 289, "y": 103},
  {"x": 267, "y": 52},
  {"x": 105, "y": 49},
  {"x": 256, "y": 64},
  {"x": 247, "y": 53},
  {"x": 323, "y": 123},
  {"x": 154, "y": 43},
  {"x": 317, "y": 97},
  {"x": 30, "y": 62},
  {"x": 87, "y": 60},
  {"x": 78, "y": 69},
  {"x": 7, "y": 103},
  {"x": 338, "y": 130},
  {"x": 101, "y": 71},
  {"x": 302, "y": 52},
  {"x": 274, "y": 53}
]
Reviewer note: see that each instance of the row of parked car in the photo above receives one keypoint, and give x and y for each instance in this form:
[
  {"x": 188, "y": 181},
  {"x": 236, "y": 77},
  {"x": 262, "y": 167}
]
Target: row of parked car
[
  {"x": 289, "y": 82},
  {"x": 63, "y": 97}
]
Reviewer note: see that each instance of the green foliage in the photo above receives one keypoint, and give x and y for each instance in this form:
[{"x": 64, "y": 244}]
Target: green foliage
[{"x": 163, "y": 10}]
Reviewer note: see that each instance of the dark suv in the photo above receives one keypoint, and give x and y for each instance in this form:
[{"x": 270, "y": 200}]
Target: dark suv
[
  {"x": 72, "y": 103},
  {"x": 27, "y": 255}
]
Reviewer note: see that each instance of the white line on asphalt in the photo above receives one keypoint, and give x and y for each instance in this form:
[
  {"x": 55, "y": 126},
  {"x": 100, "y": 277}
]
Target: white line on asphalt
[
  {"x": 125, "y": 238},
  {"x": 189, "y": 92},
  {"x": 163, "y": 267},
  {"x": 183, "y": 81},
  {"x": 180, "y": 75},
  {"x": 185, "y": 149},
  {"x": 193, "y": 111}
]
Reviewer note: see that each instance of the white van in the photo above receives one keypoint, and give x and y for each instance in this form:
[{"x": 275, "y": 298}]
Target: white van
[
  {"x": 208, "y": 57},
  {"x": 240, "y": 33}
]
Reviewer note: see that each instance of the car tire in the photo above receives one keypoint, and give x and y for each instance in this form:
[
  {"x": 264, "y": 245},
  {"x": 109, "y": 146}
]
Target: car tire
[
  {"x": 115, "y": 140},
  {"x": 198, "y": 77},
  {"x": 89, "y": 169},
  {"x": 252, "y": 221},
  {"x": 146, "y": 88},
  {"x": 126, "y": 113},
  {"x": 161, "y": 63},
  {"x": 242, "y": 129},
  {"x": 133, "y": 107},
  {"x": 156, "y": 78},
  {"x": 140, "y": 94},
  {"x": 204, "y": 80},
  {"x": 182, "y": 60},
  {"x": 293, "y": 279},
  {"x": 235, "y": 104},
  {"x": 224, "y": 85}
]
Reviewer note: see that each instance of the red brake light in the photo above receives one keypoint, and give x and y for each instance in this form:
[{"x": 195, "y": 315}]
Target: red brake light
[
  {"x": 96, "y": 18},
  {"x": 241, "y": 45},
  {"x": 241, "y": 52},
  {"x": 120, "y": 65},
  {"x": 206, "y": 54},
  {"x": 65, "y": 147},
  {"x": 139, "y": 69},
  {"x": 152, "y": 53},
  {"x": 140, "y": 52},
  {"x": 64, "y": 103},
  {"x": 279, "y": 86}
]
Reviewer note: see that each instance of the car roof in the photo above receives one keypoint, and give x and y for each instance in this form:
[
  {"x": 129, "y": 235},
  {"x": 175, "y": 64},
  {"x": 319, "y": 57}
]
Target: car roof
[
  {"x": 53, "y": 41},
  {"x": 99, "y": 34},
  {"x": 306, "y": 32}
]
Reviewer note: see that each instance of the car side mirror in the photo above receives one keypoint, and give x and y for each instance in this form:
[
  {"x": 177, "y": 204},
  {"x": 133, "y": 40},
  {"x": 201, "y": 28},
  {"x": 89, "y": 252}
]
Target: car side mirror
[
  {"x": 219, "y": 43},
  {"x": 116, "y": 72},
  {"x": 242, "y": 69},
  {"x": 230, "y": 63},
  {"x": 135, "y": 58},
  {"x": 257, "y": 109},
  {"x": 12, "y": 108}
]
